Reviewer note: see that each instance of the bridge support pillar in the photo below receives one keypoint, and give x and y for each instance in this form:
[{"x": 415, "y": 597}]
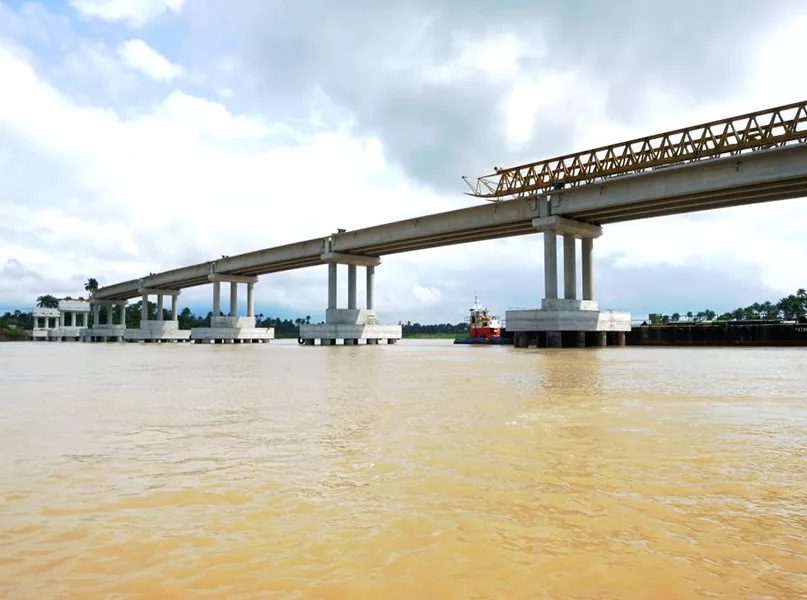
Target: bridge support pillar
[
  {"x": 352, "y": 325},
  {"x": 109, "y": 331},
  {"x": 550, "y": 264},
  {"x": 332, "y": 289},
  {"x": 159, "y": 329},
  {"x": 232, "y": 328},
  {"x": 569, "y": 267},
  {"x": 351, "y": 287},
  {"x": 566, "y": 321},
  {"x": 216, "y": 298},
  {"x": 233, "y": 299},
  {"x": 587, "y": 248},
  {"x": 370, "y": 292}
]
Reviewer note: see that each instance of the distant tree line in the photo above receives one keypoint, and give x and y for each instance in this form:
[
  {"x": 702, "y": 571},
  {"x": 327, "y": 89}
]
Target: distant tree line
[
  {"x": 789, "y": 308},
  {"x": 15, "y": 325},
  {"x": 411, "y": 329}
]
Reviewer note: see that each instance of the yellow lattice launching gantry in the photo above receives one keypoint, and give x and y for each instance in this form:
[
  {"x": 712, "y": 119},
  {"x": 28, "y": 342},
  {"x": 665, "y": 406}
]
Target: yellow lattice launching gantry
[{"x": 753, "y": 131}]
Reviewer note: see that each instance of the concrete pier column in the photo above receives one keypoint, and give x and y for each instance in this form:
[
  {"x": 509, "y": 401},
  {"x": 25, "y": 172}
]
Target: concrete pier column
[
  {"x": 110, "y": 312},
  {"x": 216, "y": 298},
  {"x": 569, "y": 267},
  {"x": 123, "y": 315},
  {"x": 370, "y": 287},
  {"x": 580, "y": 339},
  {"x": 554, "y": 339},
  {"x": 550, "y": 265},
  {"x": 159, "y": 307},
  {"x": 351, "y": 286},
  {"x": 174, "y": 307},
  {"x": 587, "y": 249},
  {"x": 233, "y": 299},
  {"x": 332, "y": 285},
  {"x": 601, "y": 338},
  {"x": 250, "y": 300},
  {"x": 520, "y": 339},
  {"x": 72, "y": 319},
  {"x": 144, "y": 307}
]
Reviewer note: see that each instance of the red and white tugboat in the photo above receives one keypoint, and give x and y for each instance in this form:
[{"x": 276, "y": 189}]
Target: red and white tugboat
[{"x": 484, "y": 327}]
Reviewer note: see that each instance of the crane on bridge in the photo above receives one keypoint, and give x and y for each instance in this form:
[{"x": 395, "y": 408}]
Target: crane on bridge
[{"x": 744, "y": 133}]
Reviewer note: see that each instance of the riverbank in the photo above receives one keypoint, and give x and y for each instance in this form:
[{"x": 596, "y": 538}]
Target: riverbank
[{"x": 14, "y": 335}]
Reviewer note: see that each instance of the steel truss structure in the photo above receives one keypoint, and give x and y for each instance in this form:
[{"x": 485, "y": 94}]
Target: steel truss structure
[{"x": 744, "y": 133}]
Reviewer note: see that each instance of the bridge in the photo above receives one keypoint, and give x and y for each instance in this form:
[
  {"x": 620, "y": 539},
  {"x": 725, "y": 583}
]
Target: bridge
[{"x": 750, "y": 158}]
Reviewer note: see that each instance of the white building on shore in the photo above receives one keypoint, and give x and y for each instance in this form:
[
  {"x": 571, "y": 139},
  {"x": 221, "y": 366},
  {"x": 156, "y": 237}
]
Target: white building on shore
[{"x": 63, "y": 323}]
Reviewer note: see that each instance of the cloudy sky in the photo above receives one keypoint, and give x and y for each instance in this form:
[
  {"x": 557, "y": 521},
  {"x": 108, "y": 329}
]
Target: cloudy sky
[{"x": 142, "y": 135}]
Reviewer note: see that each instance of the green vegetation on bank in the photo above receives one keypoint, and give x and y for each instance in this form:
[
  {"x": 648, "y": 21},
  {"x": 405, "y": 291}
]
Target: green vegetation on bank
[
  {"x": 18, "y": 320},
  {"x": 438, "y": 331},
  {"x": 789, "y": 308}
]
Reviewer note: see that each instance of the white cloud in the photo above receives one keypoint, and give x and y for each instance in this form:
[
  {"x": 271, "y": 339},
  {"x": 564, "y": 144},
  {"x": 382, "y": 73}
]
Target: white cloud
[
  {"x": 121, "y": 195},
  {"x": 88, "y": 189},
  {"x": 138, "y": 55},
  {"x": 426, "y": 295},
  {"x": 136, "y": 13}
]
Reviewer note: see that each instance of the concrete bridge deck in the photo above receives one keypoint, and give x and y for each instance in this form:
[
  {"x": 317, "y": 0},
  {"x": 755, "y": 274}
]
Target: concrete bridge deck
[{"x": 761, "y": 176}]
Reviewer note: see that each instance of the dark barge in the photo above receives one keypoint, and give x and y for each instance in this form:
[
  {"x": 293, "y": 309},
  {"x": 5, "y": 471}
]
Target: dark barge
[{"x": 721, "y": 333}]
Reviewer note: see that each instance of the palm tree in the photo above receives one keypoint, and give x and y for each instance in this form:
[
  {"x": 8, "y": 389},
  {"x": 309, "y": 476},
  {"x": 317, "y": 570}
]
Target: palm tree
[
  {"x": 91, "y": 285},
  {"x": 307, "y": 319},
  {"x": 47, "y": 301}
]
